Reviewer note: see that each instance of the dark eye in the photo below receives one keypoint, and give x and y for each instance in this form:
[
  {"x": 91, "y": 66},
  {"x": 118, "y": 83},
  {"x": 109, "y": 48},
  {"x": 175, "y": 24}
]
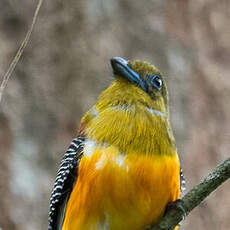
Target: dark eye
[{"x": 156, "y": 82}]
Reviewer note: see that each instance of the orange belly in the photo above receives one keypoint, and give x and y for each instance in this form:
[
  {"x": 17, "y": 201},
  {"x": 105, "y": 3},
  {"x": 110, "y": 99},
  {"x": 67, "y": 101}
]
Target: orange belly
[{"x": 120, "y": 192}]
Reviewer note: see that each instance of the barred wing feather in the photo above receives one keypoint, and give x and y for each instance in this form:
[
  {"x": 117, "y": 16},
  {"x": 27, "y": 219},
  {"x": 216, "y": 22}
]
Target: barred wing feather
[{"x": 65, "y": 180}]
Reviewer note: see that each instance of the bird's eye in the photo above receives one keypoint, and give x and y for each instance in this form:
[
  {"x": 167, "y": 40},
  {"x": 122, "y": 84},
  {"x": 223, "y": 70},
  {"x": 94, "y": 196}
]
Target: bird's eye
[{"x": 156, "y": 82}]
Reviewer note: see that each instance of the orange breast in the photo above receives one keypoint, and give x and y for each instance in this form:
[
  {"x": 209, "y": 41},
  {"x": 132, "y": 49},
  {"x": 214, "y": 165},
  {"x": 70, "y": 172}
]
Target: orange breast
[{"x": 120, "y": 192}]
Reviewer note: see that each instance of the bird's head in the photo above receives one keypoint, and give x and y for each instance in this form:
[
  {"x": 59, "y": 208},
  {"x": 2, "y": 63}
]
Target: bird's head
[
  {"x": 136, "y": 83},
  {"x": 141, "y": 74}
]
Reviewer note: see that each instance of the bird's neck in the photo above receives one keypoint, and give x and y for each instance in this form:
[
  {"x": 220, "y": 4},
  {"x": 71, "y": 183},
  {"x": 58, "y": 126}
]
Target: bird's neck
[
  {"x": 126, "y": 117},
  {"x": 132, "y": 129}
]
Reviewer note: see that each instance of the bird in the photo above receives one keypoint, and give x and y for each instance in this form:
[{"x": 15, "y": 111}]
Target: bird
[{"x": 122, "y": 169}]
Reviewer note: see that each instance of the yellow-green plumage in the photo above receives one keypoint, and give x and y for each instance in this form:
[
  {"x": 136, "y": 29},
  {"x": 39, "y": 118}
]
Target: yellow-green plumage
[{"x": 123, "y": 110}]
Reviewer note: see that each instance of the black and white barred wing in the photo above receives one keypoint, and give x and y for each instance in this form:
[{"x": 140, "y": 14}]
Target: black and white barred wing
[{"x": 65, "y": 180}]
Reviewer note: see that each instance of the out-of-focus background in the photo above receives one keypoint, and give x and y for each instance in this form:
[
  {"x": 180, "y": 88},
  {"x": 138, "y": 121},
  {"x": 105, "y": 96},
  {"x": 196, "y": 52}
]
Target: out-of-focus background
[{"x": 66, "y": 66}]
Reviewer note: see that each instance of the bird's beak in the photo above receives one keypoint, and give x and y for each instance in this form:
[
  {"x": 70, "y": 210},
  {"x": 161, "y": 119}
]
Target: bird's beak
[{"x": 122, "y": 68}]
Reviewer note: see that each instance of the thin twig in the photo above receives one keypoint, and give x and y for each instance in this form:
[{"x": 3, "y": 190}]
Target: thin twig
[
  {"x": 20, "y": 51},
  {"x": 194, "y": 197}
]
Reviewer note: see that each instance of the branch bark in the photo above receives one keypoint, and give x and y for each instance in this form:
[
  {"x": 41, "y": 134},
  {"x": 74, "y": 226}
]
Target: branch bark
[{"x": 194, "y": 197}]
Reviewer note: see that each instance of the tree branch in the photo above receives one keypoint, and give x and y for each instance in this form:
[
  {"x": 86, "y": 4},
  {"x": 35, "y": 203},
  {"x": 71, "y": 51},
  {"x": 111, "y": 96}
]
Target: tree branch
[
  {"x": 20, "y": 51},
  {"x": 194, "y": 197}
]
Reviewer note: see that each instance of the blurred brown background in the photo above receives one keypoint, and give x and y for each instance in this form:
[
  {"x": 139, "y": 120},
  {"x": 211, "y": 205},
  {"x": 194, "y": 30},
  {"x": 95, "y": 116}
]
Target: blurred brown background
[{"x": 66, "y": 66}]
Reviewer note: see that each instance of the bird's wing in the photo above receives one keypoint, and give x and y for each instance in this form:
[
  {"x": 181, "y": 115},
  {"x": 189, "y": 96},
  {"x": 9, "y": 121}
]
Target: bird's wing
[
  {"x": 182, "y": 182},
  {"x": 65, "y": 180}
]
